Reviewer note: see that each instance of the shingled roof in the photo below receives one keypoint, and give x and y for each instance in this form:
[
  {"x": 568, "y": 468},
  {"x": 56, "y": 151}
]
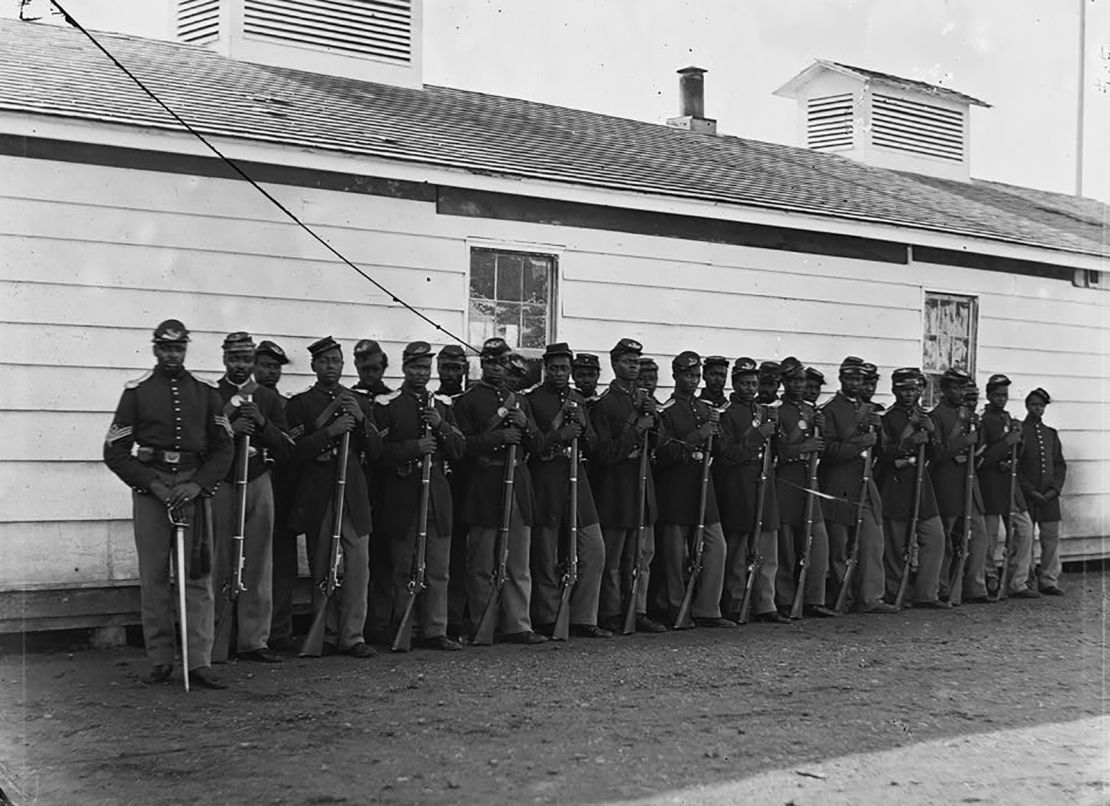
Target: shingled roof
[{"x": 55, "y": 71}]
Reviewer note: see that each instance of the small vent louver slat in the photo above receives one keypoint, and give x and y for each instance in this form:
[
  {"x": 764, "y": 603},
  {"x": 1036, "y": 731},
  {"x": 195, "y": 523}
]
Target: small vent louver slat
[
  {"x": 381, "y": 29},
  {"x": 198, "y": 21},
  {"x": 829, "y": 122},
  {"x": 917, "y": 127}
]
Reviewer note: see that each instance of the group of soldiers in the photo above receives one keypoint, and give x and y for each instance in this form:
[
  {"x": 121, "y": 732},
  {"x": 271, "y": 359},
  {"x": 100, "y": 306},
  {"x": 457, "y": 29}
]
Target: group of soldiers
[{"x": 488, "y": 509}]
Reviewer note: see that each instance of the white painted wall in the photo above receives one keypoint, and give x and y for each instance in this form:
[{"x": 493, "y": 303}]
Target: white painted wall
[{"x": 91, "y": 258}]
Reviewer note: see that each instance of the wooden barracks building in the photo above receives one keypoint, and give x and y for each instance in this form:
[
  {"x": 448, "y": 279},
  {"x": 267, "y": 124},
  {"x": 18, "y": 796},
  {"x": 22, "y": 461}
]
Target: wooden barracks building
[{"x": 492, "y": 215}]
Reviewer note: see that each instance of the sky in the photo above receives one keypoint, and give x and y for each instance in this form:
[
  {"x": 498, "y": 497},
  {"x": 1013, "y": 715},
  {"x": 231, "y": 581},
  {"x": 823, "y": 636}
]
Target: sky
[{"x": 620, "y": 56}]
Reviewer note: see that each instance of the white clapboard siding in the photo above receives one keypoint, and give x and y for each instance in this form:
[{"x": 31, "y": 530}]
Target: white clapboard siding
[
  {"x": 41, "y": 491},
  {"x": 95, "y": 551}
]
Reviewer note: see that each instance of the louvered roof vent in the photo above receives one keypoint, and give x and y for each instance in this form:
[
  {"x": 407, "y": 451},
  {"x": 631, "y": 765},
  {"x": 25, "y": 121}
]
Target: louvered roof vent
[
  {"x": 883, "y": 119},
  {"x": 372, "y": 40}
]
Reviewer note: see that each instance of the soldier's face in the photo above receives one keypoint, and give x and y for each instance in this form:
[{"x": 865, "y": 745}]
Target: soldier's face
[
  {"x": 557, "y": 371},
  {"x": 687, "y": 381},
  {"x": 850, "y": 384},
  {"x": 417, "y": 373},
  {"x": 715, "y": 378},
  {"x": 238, "y": 366},
  {"x": 648, "y": 380},
  {"x": 267, "y": 370},
  {"x": 867, "y": 389},
  {"x": 953, "y": 394},
  {"x": 494, "y": 370},
  {"x": 796, "y": 387},
  {"x": 626, "y": 368},
  {"x": 585, "y": 379},
  {"x": 1035, "y": 407},
  {"x": 328, "y": 367},
  {"x": 370, "y": 367},
  {"x": 999, "y": 396},
  {"x": 170, "y": 357},
  {"x": 813, "y": 389},
  {"x": 768, "y": 390},
  {"x": 746, "y": 386},
  {"x": 906, "y": 396},
  {"x": 451, "y": 374}
]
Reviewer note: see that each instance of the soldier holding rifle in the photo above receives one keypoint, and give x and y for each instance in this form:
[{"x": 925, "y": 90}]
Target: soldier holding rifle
[
  {"x": 415, "y": 425},
  {"x": 910, "y": 515},
  {"x": 689, "y": 524},
  {"x": 1003, "y": 501},
  {"x": 318, "y": 418},
  {"x": 493, "y": 417},
  {"x": 258, "y": 423},
  {"x": 183, "y": 446},
  {"x": 452, "y": 369},
  {"x": 560, "y": 414},
  {"x": 742, "y": 474}
]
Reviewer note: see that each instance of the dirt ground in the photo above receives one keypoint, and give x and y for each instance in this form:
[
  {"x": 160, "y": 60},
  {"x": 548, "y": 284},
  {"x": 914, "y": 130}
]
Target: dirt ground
[{"x": 582, "y": 722}]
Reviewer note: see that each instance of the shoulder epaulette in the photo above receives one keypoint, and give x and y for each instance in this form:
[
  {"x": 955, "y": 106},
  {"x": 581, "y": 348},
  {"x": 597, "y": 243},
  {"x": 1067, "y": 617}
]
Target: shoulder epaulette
[
  {"x": 384, "y": 400},
  {"x": 135, "y": 383},
  {"x": 666, "y": 404},
  {"x": 775, "y": 404},
  {"x": 530, "y": 389},
  {"x": 446, "y": 400},
  {"x": 208, "y": 382}
]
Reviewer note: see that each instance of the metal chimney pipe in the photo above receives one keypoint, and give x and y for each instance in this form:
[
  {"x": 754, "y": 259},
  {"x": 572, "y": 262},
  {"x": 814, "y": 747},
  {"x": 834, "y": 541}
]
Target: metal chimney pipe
[{"x": 691, "y": 90}]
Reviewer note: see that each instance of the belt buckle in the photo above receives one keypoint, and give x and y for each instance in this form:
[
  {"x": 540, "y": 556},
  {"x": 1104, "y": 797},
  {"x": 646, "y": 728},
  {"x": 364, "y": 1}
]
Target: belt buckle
[{"x": 171, "y": 457}]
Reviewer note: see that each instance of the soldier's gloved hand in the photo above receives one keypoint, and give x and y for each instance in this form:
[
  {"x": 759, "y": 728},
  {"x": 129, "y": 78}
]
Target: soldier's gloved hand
[
  {"x": 645, "y": 423},
  {"x": 928, "y": 424},
  {"x": 350, "y": 406},
  {"x": 647, "y": 405},
  {"x": 426, "y": 445},
  {"x": 1013, "y": 438},
  {"x": 160, "y": 490},
  {"x": 819, "y": 420},
  {"x": 183, "y": 493},
  {"x": 703, "y": 433},
  {"x": 873, "y": 420},
  {"x": 341, "y": 424},
  {"x": 971, "y": 438},
  {"x": 509, "y": 436},
  {"x": 920, "y": 437},
  {"x": 242, "y": 425},
  {"x": 867, "y": 440},
  {"x": 432, "y": 417},
  {"x": 517, "y": 418},
  {"x": 251, "y": 412},
  {"x": 570, "y": 431},
  {"x": 767, "y": 429}
]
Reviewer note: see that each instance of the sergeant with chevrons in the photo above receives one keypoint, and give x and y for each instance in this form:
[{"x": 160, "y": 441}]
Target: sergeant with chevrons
[
  {"x": 560, "y": 415},
  {"x": 413, "y": 424}
]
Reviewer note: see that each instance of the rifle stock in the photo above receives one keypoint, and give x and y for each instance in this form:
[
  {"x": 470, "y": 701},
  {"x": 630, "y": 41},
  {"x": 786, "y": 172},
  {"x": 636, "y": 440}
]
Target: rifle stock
[
  {"x": 682, "y": 620},
  {"x": 313, "y": 646},
  {"x": 483, "y": 633},
  {"x": 853, "y": 549},
  {"x": 798, "y": 605},
  {"x": 956, "y": 580},
  {"x": 638, "y": 547},
  {"x": 570, "y": 576},
  {"x": 755, "y": 561},
  {"x": 911, "y": 533}
]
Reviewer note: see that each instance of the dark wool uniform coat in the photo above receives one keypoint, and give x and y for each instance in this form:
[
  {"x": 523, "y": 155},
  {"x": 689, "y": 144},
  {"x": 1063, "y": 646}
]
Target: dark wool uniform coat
[
  {"x": 170, "y": 413},
  {"x": 550, "y": 465},
  {"x": 678, "y": 463},
  {"x": 271, "y": 443},
  {"x": 796, "y": 425},
  {"x": 994, "y": 464},
  {"x": 400, "y": 422},
  {"x": 483, "y": 465},
  {"x": 1041, "y": 467},
  {"x": 315, "y": 456},
  {"x": 949, "y": 476},
  {"x": 738, "y": 465},
  {"x": 615, "y": 472},
  {"x": 840, "y": 473},
  {"x": 897, "y": 484}
]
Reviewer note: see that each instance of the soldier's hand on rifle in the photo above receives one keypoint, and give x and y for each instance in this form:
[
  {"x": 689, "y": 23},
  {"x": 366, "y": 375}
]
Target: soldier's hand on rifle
[
  {"x": 647, "y": 405},
  {"x": 509, "y": 436},
  {"x": 920, "y": 437},
  {"x": 351, "y": 407},
  {"x": 570, "y": 431},
  {"x": 1013, "y": 438},
  {"x": 250, "y": 411},
  {"x": 160, "y": 490},
  {"x": 867, "y": 440},
  {"x": 819, "y": 420},
  {"x": 426, "y": 445},
  {"x": 971, "y": 438},
  {"x": 341, "y": 424},
  {"x": 873, "y": 421},
  {"x": 706, "y": 431},
  {"x": 644, "y": 423},
  {"x": 242, "y": 425},
  {"x": 183, "y": 493},
  {"x": 767, "y": 429},
  {"x": 812, "y": 444},
  {"x": 432, "y": 417},
  {"x": 517, "y": 419}
]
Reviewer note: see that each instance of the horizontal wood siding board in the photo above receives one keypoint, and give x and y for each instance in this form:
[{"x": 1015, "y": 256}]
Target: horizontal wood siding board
[
  {"x": 163, "y": 162},
  {"x": 970, "y": 260},
  {"x": 500, "y": 206},
  {"x": 68, "y": 608},
  {"x": 69, "y": 550}
]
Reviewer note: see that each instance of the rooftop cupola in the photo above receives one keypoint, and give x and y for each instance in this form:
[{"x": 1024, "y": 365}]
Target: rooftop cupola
[
  {"x": 883, "y": 120},
  {"x": 371, "y": 40}
]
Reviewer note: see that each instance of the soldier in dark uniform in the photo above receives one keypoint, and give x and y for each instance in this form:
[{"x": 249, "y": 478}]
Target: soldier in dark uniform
[
  {"x": 747, "y": 429},
  {"x": 770, "y": 378},
  {"x": 795, "y": 441},
  {"x": 951, "y": 417},
  {"x": 517, "y": 376},
  {"x": 685, "y": 428},
  {"x": 850, "y": 429},
  {"x": 184, "y": 449},
  {"x": 1041, "y": 473},
  {"x": 648, "y": 379},
  {"x": 492, "y": 417},
  {"x": 560, "y": 414},
  {"x": 586, "y": 371},
  {"x": 269, "y": 359},
  {"x": 257, "y": 412},
  {"x": 452, "y": 369},
  {"x": 318, "y": 418},
  {"x": 413, "y": 424},
  {"x": 715, "y": 368},
  {"x": 371, "y": 363},
  {"x": 905, "y": 427},
  {"x": 868, "y": 386},
  {"x": 999, "y": 434},
  {"x": 815, "y": 379},
  {"x": 623, "y": 417}
]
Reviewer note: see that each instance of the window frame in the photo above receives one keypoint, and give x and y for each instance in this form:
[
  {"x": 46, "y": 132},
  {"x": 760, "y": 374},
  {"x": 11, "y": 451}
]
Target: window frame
[{"x": 931, "y": 395}]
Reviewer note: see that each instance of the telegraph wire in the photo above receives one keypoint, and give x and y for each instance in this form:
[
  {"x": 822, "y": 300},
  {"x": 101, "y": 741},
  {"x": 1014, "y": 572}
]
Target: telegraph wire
[{"x": 246, "y": 177}]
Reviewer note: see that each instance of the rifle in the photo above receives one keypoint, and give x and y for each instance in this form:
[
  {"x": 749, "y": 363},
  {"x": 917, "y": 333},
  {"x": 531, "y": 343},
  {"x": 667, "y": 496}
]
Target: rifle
[
  {"x": 313, "y": 646},
  {"x": 221, "y": 642},
  {"x": 570, "y": 575},
  {"x": 755, "y": 556},
  {"x": 483, "y": 634},
  {"x": 638, "y": 546},
  {"x": 1003, "y": 583},
  {"x": 682, "y": 620},
  {"x": 402, "y": 642},
  {"x": 853, "y": 549},
  {"x": 956, "y": 580},
  {"x": 911, "y": 533},
  {"x": 798, "y": 605},
  {"x": 179, "y": 521}
]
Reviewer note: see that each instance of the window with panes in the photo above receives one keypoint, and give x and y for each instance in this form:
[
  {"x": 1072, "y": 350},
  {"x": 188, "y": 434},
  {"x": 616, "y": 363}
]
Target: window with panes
[{"x": 951, "y": 322}]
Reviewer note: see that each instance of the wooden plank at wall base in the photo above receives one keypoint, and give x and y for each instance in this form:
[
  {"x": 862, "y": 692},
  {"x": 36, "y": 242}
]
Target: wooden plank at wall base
[{"x": 69, "y": 608}]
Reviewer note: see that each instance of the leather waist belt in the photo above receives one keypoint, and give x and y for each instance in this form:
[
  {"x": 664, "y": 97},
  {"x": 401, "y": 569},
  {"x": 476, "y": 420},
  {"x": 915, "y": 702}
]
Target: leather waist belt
[{"x": 173, "y": 460}]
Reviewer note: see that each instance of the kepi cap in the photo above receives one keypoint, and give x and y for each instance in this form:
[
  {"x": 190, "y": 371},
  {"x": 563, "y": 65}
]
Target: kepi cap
[
  {"x": 323, "y": 345},
  {"x": 745, "y": 366},
  {"x": 1039, "y": 392},
  {"x": 714, "y": 361},
  {"x": 626, "y": 347},
  {"x": 906, "y": 378},
  {"x": 517, "y": 365},
  {"x": 494, "y": 349},
  {"x": 586, "y": 361},
  {"x": 452, "y": 354},
  {"x": 955, "y": 377},
  {"x": 267, "y": 347},
  {"x": 686, "y": 360},
  {"x": 814, "y": 374},
  {"x": 414, "y": 350},
  {"x": 239, "y": 342},
  {"x": 852, "y": 365},
  {"x": 870, "y": 371},
  {"x": 998, "y": 379},
  {"x": 558, "y": 349},
  {"x": 791, "y": 367},
  {"x": 647, "y": 362},
  {"x": 170, "y": 331},
  {"x": 368, "y": 347},
  {"x": 770, "y": 370}
]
